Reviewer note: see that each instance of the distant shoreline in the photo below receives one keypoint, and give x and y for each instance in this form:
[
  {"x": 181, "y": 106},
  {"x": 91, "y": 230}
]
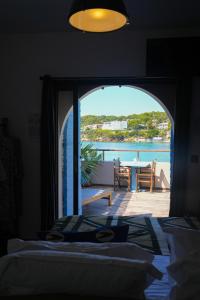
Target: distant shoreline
[{"x": 135, "y": 142}]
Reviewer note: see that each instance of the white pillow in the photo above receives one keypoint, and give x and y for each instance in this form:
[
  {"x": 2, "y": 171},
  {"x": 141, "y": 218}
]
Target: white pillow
[
  {"x": 39, "y": 272},
  {"x": 124, "y": 250},
  {"x": 186, "y": 273},
  {"x": 182, "y": 241}
]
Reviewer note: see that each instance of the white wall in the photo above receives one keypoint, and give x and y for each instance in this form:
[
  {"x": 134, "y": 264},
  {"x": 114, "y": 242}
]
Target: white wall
[{"x": 24, "y": 58}]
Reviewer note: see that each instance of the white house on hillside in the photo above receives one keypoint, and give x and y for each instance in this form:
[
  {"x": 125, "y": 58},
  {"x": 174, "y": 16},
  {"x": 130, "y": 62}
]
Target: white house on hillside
[
  {"x": 115, "y": 125},
  {"x": 163, "y": 125}
]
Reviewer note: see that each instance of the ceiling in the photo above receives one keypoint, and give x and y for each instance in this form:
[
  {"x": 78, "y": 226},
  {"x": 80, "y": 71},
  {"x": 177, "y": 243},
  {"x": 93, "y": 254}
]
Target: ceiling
[{"x": 24, "y": 16}]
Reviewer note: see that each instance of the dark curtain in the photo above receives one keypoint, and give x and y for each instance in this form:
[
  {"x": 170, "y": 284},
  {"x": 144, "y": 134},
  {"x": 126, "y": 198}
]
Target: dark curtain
[
  {"x": 181, "y": 147},
  {"x": 49, "y": 154}
]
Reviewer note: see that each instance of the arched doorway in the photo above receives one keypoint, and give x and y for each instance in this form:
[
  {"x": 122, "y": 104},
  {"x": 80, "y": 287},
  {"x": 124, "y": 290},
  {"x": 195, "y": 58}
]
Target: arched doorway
[{"x": 67, "y": 209}]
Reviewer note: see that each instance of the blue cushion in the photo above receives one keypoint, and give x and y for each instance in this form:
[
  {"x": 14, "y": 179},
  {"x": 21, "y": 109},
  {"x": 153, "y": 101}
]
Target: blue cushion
[{"x": 113, "y": 234}]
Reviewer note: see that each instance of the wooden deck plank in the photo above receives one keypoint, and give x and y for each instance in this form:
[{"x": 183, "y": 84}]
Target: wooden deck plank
[{"x": 125, "y": 203}]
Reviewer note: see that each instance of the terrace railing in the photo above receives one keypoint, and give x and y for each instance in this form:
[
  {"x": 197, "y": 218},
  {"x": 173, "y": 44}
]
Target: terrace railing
[{"x": 138, "y": 151}]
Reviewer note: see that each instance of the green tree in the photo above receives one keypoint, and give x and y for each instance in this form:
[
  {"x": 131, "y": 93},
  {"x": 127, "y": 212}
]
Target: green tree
[{"x": 139, "y": 125}]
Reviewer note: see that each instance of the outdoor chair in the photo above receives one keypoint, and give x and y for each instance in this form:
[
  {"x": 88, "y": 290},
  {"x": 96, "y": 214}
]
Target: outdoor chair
[
  {"x": 122, "y": 175},
  {"x": 146, "y": 176}
]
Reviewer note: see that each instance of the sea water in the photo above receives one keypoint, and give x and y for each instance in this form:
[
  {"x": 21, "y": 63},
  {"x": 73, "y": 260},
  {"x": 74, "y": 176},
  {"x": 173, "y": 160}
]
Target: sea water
[{"x": 143, "y": 156}]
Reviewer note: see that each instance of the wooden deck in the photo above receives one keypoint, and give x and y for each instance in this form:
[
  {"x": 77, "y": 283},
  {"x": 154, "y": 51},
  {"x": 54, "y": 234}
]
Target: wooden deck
[{"x": 126, "y": 203}]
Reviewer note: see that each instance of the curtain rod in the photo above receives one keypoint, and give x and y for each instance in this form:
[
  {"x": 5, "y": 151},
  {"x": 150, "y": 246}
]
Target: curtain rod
[{"x": 109, "y": 78}]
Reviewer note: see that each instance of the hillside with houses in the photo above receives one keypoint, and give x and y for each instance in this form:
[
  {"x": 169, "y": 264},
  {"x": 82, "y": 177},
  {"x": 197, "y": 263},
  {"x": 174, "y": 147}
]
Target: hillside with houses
[{"x": 144, "y": 127}]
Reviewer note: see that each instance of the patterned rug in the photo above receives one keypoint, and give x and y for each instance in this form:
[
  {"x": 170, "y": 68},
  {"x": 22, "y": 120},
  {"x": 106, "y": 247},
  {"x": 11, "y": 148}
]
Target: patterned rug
[{"x": 146, "y": 232}]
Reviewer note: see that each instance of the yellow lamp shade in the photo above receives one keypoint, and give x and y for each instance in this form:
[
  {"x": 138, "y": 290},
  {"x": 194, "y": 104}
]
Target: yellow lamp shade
[{"x": 98, "y": 16}]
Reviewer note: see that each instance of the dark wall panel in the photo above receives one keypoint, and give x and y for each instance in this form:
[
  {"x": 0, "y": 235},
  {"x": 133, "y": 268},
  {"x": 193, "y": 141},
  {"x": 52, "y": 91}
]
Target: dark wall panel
[{"x": 173, "y": 56}]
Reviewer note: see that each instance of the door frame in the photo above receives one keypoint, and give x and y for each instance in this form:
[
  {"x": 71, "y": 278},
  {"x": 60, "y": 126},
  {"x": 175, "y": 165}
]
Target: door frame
[{"x": 181, "y": 128}]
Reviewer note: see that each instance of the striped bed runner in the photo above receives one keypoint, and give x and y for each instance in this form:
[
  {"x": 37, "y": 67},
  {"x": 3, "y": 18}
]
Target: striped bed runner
[{"x": 146, "y": 232}]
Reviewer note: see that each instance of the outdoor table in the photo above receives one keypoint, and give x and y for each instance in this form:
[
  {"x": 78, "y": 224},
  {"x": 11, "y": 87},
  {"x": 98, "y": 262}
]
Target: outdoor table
[{"x": 134, "y": 165}]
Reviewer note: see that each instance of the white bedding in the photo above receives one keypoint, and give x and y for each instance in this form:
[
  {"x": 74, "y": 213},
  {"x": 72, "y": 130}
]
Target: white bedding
[
  {"x": 123, "y": 250},
  {"x": 160, "y": 289},
  {"x": 34, "y": 272}
]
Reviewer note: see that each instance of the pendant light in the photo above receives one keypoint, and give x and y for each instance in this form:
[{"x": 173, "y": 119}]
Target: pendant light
[{"x": 98, "y": 15}]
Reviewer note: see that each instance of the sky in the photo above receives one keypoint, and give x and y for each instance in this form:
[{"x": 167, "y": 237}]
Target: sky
[{"x": 118, "y": 101}]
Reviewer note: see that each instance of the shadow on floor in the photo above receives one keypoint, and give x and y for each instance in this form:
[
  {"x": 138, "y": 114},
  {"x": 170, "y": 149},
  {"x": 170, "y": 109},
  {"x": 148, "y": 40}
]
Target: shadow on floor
[{"x": 131, "y": 203}]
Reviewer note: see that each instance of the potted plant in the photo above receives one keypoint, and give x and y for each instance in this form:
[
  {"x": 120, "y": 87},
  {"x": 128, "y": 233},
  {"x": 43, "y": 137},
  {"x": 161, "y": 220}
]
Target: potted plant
[{"x": 90, "y": 159}]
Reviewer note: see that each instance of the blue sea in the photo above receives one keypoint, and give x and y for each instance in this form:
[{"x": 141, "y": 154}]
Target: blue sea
[{"x": 144, "y": 156}]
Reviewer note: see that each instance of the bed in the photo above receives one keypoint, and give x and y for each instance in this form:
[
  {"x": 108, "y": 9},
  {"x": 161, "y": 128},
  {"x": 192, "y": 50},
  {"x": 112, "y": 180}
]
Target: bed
[
  {"x": 158, "y": 290},
  {"x": 91, "y": 195},
  {"x": 147, "y": 232}
]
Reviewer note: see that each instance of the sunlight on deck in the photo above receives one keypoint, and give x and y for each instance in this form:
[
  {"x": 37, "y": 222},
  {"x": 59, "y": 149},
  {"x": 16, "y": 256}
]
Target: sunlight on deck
[{"x": 125, "y": 203}]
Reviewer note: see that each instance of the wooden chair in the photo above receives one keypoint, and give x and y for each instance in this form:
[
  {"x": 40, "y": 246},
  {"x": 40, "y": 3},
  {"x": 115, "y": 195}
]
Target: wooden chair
[
  {"x": 146, "y": 176},
  {"x": 121, "y": 175}
]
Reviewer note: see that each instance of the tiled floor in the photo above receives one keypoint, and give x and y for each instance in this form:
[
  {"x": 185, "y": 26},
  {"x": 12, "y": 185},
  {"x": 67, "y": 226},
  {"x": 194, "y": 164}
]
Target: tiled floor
[{"x": 130, "y": 203}]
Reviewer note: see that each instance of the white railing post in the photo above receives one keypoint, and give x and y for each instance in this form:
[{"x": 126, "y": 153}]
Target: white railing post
[{"x": 138, "y": 155}]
